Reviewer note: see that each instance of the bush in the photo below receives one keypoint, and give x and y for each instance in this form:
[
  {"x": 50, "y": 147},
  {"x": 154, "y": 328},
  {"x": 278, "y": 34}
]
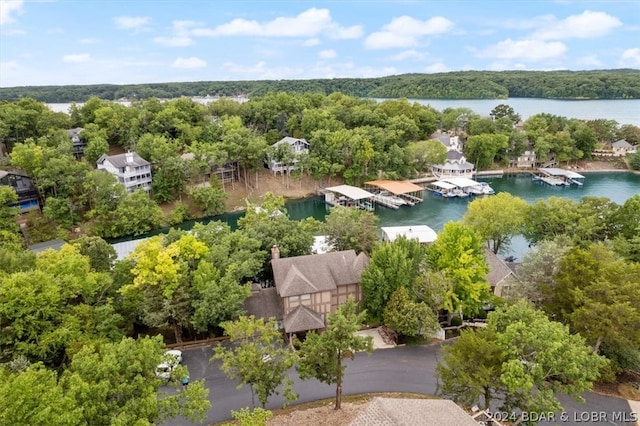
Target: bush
[
  {"x": 456, "y": 321},
  {"x": 179, "y": 214},
  {"x": 634, "y": 161}
]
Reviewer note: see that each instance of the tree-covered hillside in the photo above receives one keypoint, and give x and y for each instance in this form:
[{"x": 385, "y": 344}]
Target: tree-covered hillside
[{"x": 600, "y": 84}]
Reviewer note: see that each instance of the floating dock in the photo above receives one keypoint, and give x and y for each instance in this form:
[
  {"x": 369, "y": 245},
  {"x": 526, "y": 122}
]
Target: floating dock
[
  {"x": 394, "y": 194},
  {"x": 558, "y": 177}
]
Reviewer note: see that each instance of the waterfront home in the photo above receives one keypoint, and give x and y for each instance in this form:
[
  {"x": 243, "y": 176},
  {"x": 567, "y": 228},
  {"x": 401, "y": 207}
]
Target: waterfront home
[
  {"x": 622, "y": 148},
  {"x": 313, "y": 286},
  {"x": 226, "y": 173},
  {"x": 527, "y": 159},
  {"x": 451, "y": 142},
  {"x": 421, "y": 233},
  {"x": 28, "y": 198},
  {"x": 456, "y": 165},
  {"x": 133, "y": 171},
  {"x": 78, "y": 143},
  {"x": 298, "y": 147}
]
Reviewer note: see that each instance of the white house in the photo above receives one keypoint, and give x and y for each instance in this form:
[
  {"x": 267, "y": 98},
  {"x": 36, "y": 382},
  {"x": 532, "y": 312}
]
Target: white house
[
  {"x": 456, "y": 165},
  {"x": 298, "y": 146},
  {"x": 451, "y": 142},
  {"x": 133, "y": 171},
  {"x": 622, "y": 148},
  {"x": 526, "y": 159}
]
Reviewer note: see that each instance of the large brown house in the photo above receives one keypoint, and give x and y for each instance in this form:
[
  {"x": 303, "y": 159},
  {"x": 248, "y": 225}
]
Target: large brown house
[{"x": 310, "y": 287}]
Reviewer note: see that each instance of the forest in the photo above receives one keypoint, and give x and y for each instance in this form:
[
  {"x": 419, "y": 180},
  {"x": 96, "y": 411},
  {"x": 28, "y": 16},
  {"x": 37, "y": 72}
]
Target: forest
[
  {"x": 76, "y": 324},
  {"x": 596, "y": 84},
  {"x": 350, "y": 138}
]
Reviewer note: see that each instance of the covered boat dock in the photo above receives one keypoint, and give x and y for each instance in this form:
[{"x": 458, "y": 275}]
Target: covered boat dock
[
  {"x": 557, "y": 177},
  {"x": 349, "y": 196},
  {"x": 395, "y": 193},
  {"x": 442, "y": 188}
]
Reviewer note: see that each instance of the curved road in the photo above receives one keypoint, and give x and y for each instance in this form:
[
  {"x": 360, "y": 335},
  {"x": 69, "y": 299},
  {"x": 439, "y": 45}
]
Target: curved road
[{"x": 403, "y": 369}]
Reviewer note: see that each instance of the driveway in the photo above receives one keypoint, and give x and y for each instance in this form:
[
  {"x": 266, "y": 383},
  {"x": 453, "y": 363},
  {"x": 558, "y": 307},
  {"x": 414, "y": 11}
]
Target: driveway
[{"x": 402, "y": 369}]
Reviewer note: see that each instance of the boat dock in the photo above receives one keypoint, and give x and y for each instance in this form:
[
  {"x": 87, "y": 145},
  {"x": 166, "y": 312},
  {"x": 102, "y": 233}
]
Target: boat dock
[
  {"x": 394, "y": 194},
  {"x": 460, "y": 187},
  {"x": 349, "y": 196},
  {"x": 558, "y": 177}
]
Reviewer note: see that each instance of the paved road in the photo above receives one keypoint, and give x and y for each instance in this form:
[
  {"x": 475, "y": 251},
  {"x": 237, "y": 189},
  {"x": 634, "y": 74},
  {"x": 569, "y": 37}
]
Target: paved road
[{"x": 404, "y": 369}]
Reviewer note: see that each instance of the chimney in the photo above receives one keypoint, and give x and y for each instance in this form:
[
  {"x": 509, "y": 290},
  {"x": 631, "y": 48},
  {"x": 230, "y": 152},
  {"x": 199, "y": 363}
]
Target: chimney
[
  {"x": 275, "y": 252},
  {"x": 129, "y": 157}
]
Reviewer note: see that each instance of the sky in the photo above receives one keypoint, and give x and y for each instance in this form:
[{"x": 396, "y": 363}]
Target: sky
[{"x": 64, "y": 42}]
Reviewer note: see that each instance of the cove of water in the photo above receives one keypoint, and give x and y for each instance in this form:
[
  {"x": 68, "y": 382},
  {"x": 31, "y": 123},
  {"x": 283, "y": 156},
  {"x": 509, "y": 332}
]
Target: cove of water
[{"x": 435, "y": 211}]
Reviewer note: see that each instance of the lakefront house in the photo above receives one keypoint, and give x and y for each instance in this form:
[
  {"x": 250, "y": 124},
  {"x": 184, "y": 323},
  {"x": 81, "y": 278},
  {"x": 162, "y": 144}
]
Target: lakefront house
[
  {"x": 298, "y": 146},
  {"x": 133, "y": 171}
]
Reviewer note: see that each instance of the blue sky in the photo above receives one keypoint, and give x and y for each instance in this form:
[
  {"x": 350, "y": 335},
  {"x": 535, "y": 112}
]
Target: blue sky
[{"x": 148, "y": 41}]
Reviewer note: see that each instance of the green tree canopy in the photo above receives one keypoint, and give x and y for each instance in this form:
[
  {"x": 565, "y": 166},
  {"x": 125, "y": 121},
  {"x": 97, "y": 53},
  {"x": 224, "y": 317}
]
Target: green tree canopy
[
  {"x": 351, "y": 229},
  {"x": 521, "y": 359},
  {"x": 496, "y": 219},
  {"x": 257, "y": 358},
  {"x": 322, "y": 355}
]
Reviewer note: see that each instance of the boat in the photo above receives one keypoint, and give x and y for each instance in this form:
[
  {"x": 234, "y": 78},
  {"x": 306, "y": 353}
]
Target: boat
[{"x": 486, "y": 189}]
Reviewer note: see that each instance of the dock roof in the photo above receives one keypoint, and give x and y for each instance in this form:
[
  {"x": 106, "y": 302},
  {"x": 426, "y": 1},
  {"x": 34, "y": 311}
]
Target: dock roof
[
  {"x": 352, "y": 192},
  {"x": 461, "y": 182},
  {"x": 396, "y": 187},
  {"x": 422, "y": 233},
  {"x": 443, "y": 184},
  {"x": 553, "y": 171}
]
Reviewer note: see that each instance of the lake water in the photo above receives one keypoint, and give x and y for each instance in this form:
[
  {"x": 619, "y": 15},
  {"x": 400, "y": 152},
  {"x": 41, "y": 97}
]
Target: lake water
[
  {"x": 624, "y": 111},
  {"x": 435, "y": 211}
]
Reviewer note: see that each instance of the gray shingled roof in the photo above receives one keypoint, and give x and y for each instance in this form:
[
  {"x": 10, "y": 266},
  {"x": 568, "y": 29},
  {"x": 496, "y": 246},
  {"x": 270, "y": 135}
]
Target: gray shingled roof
[
  {"x": 120, "y": 160},
  {"x": 302, "y": 319},
  {"x": 498, "y": 270},
  {"x": 411, "y": 412},
  {"x": 317, "y": 272},
  {"x": 622, "y": 143},
  {"x": 264, "y": 303},
  {"x": 289, "y": 140}
]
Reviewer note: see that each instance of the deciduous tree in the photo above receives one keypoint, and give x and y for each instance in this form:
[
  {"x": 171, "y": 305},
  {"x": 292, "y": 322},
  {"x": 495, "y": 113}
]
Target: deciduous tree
[
  {"x": 521, "y": 358},
  {"x": 257, "y": 358},
  {"x": 496, "y": 219},
  {"x": 351, "y": 229},
  {"x": 322, "y": 355}
]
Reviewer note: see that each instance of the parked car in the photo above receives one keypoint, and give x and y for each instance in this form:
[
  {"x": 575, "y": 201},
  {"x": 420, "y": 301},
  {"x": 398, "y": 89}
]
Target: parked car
[{"x": 170, "y": 360}]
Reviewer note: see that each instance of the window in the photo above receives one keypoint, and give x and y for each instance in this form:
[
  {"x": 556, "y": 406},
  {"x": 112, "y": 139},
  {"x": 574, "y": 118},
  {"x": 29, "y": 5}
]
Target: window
[
  {"x": 294, "y": 298},
  {"x": 305, "y": 296}
]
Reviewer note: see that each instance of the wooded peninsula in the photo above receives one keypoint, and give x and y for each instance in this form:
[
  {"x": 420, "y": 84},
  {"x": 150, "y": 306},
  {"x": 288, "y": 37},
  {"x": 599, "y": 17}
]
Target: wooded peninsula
[{"x": 596, "y": 84}]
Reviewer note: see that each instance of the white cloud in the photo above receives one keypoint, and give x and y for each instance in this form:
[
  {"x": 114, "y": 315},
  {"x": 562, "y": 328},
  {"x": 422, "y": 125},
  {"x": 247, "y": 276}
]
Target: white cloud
[
  {"x": 311, "y": 42},
  {"x": 437, "y": 67},
  {"x": 327, "y": 54},
  {"x": 630, "y": 58},
  {"x": 189, "y": 63},
  {"x": 309, "y": 23},
  {"x": 525, "y": 50},
  {"x": 586, "y": 25},
  {"x": 8, "y": 10},
  {"x": 76, "y": 58},
  {"x": 87, "y": 41},
  {"x": 9, "y": 65},
  {"x": 131, "y": 22},
  {"x": 406, "y": 31},
  {"x": 590, "y": 60},
  {"x": 409, "y": 54},
  {"x": 180, "y": 35},
  {"x": 178, "y": 41}
]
